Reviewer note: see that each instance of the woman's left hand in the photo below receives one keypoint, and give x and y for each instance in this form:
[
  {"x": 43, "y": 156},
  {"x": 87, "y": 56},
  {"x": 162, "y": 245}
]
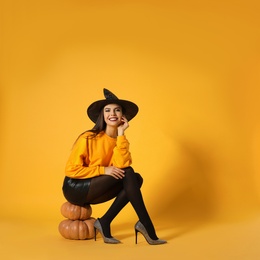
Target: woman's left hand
[{"x": 123, "y": 126}]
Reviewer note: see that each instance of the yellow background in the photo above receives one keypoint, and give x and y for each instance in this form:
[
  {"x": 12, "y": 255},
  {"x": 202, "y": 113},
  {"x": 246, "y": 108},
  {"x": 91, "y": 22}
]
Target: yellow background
[{"x": 193, "y": 69}]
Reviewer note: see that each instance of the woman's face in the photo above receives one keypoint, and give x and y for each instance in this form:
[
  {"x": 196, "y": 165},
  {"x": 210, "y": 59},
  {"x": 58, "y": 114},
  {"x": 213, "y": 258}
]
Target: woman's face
[{"x": 113, "y": 114}]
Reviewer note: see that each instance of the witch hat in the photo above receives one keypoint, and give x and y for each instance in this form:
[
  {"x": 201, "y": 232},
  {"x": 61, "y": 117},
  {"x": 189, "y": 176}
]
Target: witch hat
[{"x": 130, "y": 109}]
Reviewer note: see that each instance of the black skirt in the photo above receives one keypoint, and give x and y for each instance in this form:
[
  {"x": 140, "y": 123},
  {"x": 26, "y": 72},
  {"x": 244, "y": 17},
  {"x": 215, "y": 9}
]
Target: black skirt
[{"x": 76, "y": 190}]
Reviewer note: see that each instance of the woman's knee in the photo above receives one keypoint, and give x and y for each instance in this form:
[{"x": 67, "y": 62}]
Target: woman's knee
[
  {"x": 130, "y": 170},
  {"x": 140, "y": 179}
]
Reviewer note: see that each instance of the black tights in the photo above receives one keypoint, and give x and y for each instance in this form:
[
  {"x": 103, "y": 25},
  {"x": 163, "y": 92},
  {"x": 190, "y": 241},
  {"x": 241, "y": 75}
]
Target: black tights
[{"x": 104, "y": 188}]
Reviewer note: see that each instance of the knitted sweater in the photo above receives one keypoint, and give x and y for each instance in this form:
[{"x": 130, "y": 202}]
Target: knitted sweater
[{"x": 90, "y": 155}]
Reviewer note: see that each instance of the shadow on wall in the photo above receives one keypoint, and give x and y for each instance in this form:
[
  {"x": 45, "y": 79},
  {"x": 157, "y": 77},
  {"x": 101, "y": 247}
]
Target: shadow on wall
[{"x": 187, "y": 194}]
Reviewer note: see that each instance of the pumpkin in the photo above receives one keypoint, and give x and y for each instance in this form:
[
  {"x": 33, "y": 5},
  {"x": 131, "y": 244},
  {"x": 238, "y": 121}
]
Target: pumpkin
[
  {"x": 77, "y": 229},
  {"x": 75, "y": 212}
]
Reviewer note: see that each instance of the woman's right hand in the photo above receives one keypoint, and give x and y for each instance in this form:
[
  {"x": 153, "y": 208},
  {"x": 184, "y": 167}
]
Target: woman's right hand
[{"x": 115, "y": 172}]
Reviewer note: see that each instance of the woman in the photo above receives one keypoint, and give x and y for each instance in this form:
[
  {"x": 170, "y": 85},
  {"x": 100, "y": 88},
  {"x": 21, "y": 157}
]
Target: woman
[{"x": 98, "y": 168}]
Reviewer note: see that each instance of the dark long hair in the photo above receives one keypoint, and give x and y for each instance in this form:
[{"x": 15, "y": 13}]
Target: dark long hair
[
  {"x": 100, "y": 124},
  {"x": 98, "y": 127}
]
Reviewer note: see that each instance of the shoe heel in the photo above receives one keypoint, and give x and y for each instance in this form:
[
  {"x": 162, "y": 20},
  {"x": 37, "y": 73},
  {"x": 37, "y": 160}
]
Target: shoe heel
[
  {"x": 98, "y": 228},
  {"x": 139, "y": 227},
  {"x": 95, "y": 234}
]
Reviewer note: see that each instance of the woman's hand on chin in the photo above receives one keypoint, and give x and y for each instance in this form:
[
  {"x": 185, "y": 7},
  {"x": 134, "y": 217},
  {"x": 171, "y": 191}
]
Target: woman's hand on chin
[{"x": 123, "y": 126}]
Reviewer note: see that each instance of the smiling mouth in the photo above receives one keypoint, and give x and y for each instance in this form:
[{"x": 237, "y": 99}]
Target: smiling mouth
[{"x": 113, "y": 119}]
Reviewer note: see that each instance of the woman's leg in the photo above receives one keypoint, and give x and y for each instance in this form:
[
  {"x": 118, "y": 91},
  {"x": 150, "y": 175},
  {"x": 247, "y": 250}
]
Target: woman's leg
[
  {"x": 130, "y": 191},
  {"x": 134, "y": 195},
  {"x": 104, "y": 188},
  {"x": 118, "y": 204}
]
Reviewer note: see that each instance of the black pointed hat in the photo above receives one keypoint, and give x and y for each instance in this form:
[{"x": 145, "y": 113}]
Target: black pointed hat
[{"x": 130, "y": 109}]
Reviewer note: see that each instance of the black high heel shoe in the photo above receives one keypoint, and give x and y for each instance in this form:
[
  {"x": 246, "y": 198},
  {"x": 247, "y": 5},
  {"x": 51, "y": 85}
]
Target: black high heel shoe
[
  {"x": 139, "y": 227},
  {"x": 109, "y": 240}
]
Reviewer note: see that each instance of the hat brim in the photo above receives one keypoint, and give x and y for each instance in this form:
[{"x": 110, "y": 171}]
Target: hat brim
[{"x": 130, "y": 108}]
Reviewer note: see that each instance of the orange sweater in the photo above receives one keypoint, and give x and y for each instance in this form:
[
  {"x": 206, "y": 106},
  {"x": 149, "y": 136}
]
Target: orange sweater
[{"x": 90, "y": 155}]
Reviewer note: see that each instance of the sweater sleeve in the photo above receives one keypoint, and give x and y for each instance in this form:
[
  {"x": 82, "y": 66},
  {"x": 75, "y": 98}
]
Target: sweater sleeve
[
  {"x": 121, "y": 154},
  {"x": 77, "y": 164}
]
